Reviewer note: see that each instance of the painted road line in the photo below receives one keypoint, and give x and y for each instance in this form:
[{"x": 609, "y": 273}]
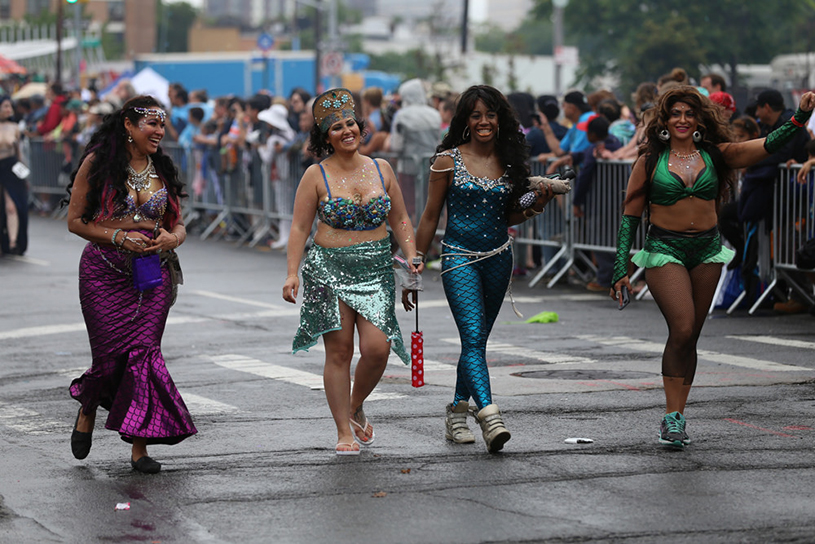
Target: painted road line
[
  {"x": 28, "y": 260},
  {"x": 219, "y": 296},
  {"x": 395, "y": 361},
  {"x": 713, "y": 356},
  {"x": 241, "y": 363},
  {"x": 772, "y": 340},
  {"x": 199, "y": 406},
  {"x": 518, "y": 351},
  {"x": 26, "y": 421}
]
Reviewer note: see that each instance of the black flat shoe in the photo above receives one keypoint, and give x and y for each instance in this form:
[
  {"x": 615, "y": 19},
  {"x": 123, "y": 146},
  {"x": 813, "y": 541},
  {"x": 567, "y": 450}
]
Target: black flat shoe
[
  {"x": 80, "y": 442},
  {"x": 146, "y": 465}
]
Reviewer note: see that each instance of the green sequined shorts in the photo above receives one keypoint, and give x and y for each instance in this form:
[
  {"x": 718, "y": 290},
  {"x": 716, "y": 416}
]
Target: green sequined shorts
[
  {"x": 664, "y": 246},
  {"x": 361, "y": 276}
]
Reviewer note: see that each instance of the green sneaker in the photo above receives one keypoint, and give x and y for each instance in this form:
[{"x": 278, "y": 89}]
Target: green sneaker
[{"x": 672, "y": 430}]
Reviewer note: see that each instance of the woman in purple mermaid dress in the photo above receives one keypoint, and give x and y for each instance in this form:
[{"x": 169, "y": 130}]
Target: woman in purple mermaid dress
[{"x": 124, "y": 199}]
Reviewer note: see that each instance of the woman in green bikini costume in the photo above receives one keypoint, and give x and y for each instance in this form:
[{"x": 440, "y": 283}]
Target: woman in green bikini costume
[
  {"x": 348, "y": 283},
  {"x": 683, "y": 172}
]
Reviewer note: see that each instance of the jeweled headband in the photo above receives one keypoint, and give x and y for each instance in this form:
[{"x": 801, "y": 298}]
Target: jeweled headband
[
  {"x": 158, "y": 112},
  {"x": 333, "y": 106}
]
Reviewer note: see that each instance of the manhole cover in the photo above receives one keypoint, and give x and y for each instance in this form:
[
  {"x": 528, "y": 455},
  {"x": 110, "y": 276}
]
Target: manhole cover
[{"x": 583, "y": 375}]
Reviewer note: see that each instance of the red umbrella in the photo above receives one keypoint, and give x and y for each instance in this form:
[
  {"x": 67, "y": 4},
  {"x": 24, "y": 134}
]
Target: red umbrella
[
  {"x": 8, "y": 66},
  {"x": 417, "y": 350}
]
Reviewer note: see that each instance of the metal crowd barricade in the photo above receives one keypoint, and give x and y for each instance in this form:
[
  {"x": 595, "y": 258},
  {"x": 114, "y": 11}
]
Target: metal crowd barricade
[
  {"x": 575, "y": 238},
  {"x": 793, "y": 225},
  {"x": 48, "y": 178}
]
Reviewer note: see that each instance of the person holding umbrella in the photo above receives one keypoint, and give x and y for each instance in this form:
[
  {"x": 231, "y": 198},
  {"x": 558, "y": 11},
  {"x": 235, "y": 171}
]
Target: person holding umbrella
[{"x": 480, "y": 165}]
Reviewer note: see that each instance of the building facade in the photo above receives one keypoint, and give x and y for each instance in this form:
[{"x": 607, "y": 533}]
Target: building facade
[{"x": 132, "y": 21}]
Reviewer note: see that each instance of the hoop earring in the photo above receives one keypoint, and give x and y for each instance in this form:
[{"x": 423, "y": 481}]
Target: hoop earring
[
  {"x": 466, "y": 133},
  {"x": 697, "y": 136},
  {"x": 664, "y": 135}
]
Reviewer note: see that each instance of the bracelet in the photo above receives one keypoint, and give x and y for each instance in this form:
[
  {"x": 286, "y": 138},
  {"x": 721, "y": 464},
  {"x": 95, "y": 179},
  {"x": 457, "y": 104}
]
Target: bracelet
[
  {"x": 177, "y": 240},
  {"x": 113, "y": 238},
  {"x": 291, "y": 276}
]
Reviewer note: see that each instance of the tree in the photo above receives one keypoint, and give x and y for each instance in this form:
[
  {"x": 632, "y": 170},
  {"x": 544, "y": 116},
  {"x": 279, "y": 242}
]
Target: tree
[
  {"x": 174, "y": 22},
  {"x": 639, "y": 40}
]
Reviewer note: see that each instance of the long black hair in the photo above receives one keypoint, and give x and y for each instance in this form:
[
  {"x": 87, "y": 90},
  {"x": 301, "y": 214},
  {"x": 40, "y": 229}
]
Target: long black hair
[
  {"x": 710, "y": 124},
  {"x": 510, "y": 143},
  {"x": 108, "y": 172}
]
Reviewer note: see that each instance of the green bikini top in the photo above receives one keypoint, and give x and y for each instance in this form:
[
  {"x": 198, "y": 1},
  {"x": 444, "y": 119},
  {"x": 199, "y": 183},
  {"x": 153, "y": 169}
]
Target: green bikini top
[{"x": 667, "y": 188}]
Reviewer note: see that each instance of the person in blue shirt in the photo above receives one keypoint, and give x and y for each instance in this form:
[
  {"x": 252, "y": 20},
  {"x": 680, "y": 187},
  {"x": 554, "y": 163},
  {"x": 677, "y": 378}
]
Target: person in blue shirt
[{"x": 576, "y": 109}]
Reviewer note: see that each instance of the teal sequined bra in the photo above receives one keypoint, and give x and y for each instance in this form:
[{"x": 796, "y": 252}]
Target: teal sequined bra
[{"x": 351, "y": 214}]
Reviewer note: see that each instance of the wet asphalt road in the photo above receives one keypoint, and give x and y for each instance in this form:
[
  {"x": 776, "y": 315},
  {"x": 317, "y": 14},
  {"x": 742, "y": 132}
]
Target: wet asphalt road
[{"x": 262, "y": 467}]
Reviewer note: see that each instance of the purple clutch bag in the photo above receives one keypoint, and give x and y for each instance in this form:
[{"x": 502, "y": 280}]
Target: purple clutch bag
[{"x": 146, "y": 271}]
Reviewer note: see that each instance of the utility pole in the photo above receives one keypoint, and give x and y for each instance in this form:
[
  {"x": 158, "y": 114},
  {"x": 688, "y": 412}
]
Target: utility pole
[
  {"x": 58, "y": 75},
  {"x": 318, "y": 45},
  {"x": 464, "y": 21}
]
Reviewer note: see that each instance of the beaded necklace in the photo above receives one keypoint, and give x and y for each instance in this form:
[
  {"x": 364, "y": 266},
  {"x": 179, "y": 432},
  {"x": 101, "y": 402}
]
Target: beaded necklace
[{"x": 140, "y": 181}]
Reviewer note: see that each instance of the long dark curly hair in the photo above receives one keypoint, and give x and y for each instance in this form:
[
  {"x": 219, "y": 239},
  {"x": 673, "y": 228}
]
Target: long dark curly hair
[
  {"x": 318, "y": 140},
  {"x": 108, "y": 172},
  {"x": 510, "y": 144},
  {"x": 711, "y": 125}
]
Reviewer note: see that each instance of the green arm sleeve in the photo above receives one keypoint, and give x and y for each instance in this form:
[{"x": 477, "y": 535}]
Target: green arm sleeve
[
  {"x": 776, "y": 139},
  {"x": 625, "y": 239}
]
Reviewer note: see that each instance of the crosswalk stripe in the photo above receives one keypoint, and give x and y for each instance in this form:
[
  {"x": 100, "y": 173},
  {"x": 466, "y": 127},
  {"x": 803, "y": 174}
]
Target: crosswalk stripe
[
  {"x": 25, "y": 421},
  {"x": 219, "y": 296},
  {"x": 716, "y": 357},
  {"x": 241, "y": 363},
  {"x": 199, "y": 406},
  {"x": 518, "y": 351},
  {"x": 775, "y": 341}
]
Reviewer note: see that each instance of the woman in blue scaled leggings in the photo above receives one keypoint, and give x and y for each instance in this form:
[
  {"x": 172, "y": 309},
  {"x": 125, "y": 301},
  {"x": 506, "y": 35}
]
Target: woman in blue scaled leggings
[{"x": 480, "y": 170}]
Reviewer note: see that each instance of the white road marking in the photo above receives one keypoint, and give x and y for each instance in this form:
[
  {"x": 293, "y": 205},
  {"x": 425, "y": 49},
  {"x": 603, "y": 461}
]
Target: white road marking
[
  {"x": 776, "y": 341},
  {"x": 724, "y": 358},
  {"x": 219, "y": 296},
  {"x": 241, "y": 363},
  {"x": 199, "y": 405},
  {"x": 517, "y": 351},
  {"x": 25, "y": 421},
  {"x": 28, "y": 260}
]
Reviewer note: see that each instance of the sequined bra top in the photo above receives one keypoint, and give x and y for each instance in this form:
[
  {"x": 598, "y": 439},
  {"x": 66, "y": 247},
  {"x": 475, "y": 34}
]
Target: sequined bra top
[
  {"x": 352, "y": 214},
  {"x": 476, "y": 207},
  {"x": 151, "y": 210},
  {"x": 667, "y": 188}
]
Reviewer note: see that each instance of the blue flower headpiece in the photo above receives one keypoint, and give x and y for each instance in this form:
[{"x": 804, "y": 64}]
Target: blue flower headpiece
[{"x": 333, "y": 106}]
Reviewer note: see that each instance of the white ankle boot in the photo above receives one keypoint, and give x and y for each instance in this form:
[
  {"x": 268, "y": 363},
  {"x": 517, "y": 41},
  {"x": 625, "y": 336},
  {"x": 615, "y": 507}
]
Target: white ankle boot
[
  {"x": 455, "y": 424},
  {"x": 492, "y": 427}
]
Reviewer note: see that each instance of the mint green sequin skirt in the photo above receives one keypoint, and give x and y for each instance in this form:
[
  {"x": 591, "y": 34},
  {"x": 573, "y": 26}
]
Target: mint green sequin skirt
[{"x": 361, "y": 276}]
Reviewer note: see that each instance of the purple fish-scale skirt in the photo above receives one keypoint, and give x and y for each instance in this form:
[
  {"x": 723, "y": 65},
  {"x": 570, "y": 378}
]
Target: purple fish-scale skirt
[{"x": 128, "y": 375}]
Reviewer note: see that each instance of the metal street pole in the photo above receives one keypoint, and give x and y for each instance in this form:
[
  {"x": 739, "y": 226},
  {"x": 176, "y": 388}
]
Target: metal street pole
[
  {"x": 464, "y": 20},
  {"x": 58, "y": 75},
  {"x": 557, "y": 21},
  {"x": 318, "y": 23},
  {"x": 78, "y": 48}
]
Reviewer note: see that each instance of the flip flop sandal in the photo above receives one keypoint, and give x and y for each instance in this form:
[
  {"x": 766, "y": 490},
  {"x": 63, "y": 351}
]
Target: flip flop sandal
[
  {"x": 352, "y": 451},
  {"x": 363, "y": 428}
]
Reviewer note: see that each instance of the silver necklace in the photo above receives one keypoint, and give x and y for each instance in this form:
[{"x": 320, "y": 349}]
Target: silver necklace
[{"x": 140, "y": 181}]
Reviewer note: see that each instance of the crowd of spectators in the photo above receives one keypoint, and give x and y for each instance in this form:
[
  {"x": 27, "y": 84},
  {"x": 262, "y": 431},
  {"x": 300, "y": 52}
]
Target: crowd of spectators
[{"x": 261, "y": 141}]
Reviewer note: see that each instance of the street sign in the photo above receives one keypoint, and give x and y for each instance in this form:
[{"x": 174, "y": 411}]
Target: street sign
[
  {"x": 265, "y": 42},
  {"x": 332, "y": 64}
]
